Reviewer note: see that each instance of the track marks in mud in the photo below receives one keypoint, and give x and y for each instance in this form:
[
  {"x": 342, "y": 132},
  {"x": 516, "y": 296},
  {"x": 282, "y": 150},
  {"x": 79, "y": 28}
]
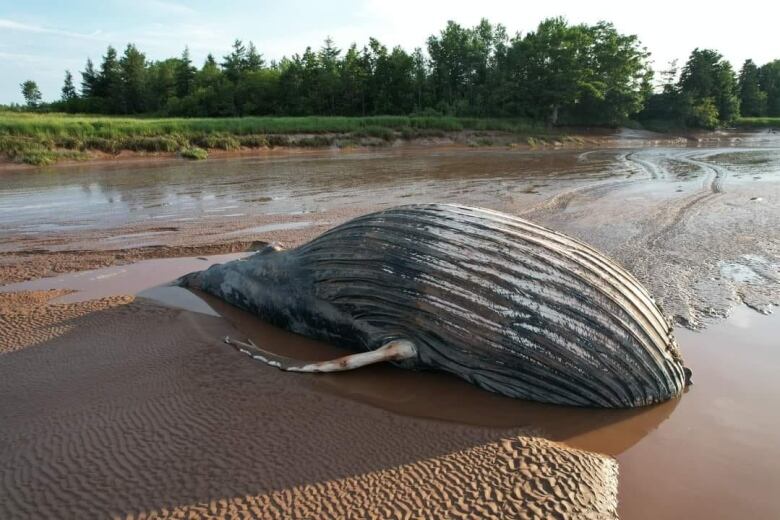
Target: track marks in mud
[
  {"x": 718, "y": 174},
  {"x": 673, "y": 218},
  {"x": 678, "y": 211},
  {"x": 561, "y": 201},
  {"x": 684, "y": 241},
  {"x": 651, "y": 162},
  {"x": 673, "y": 240},
  {"x": 654, "y": 170},
  {"x": 623, "y": 168}
]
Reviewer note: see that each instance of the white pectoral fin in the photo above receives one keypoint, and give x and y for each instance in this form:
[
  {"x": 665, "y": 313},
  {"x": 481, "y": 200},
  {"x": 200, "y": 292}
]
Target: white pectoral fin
[{"x": 395, "y": 350}]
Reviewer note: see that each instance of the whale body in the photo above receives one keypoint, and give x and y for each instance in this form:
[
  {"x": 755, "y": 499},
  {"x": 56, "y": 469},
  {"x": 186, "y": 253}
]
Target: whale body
[{"x": 508, "y": 305}]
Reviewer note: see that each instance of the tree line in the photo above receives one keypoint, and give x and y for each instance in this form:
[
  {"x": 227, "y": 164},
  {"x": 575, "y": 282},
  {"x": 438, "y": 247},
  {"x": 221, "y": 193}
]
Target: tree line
[
  {"x": 708, "y": 93},
  {"x": 559, "y": 73}
]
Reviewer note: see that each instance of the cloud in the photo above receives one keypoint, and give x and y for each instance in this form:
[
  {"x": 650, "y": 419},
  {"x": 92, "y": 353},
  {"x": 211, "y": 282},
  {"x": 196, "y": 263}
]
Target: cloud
[
  {"x": 163, "y": 7},
  {"x": 23, "y": 27}
]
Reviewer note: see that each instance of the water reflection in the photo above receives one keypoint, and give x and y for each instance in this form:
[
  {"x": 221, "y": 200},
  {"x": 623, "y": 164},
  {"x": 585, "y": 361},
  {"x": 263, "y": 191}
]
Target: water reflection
[
  {"x": 111, "y": 195},
  {"x": 441, "y": 396}
]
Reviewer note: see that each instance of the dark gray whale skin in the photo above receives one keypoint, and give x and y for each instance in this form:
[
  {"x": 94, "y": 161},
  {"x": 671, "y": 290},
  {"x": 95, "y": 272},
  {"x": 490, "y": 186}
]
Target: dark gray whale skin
[{"x": 503, "y": 303}]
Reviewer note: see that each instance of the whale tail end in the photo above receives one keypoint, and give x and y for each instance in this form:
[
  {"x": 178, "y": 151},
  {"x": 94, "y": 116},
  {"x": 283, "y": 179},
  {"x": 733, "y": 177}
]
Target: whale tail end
[{"x": 191, "y": 280}]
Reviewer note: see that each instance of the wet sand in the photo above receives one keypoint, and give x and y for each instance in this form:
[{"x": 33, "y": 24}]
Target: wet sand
[
  {"x": 121, "y": 405},
  {"x": 137, "y": 410}
]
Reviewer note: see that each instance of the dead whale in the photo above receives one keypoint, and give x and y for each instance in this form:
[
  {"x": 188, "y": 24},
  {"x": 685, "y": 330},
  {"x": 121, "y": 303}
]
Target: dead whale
[{"x": 508, "y": 305}]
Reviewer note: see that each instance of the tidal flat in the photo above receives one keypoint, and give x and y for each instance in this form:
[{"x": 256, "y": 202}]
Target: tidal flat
[{"x": 119, "y": 399}]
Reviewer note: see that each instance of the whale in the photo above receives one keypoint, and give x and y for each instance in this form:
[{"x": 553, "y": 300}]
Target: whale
[{"x": 506, "y": 304}]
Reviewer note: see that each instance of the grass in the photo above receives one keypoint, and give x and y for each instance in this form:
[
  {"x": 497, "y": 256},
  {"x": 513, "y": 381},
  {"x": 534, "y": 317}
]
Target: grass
[
  {"x": 216, "y": 141},
  {"x": 42, "y": 138},
  {"x": 195, "y": 153},
  {"x": 31, "y": 151},
  {"x": 83, "y": 126},
  {"x": 759, "y": 122}
]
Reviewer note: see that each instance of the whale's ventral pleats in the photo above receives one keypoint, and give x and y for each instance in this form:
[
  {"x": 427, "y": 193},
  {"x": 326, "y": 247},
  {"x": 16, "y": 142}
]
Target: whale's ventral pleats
[{"x": 508, "y": 305}]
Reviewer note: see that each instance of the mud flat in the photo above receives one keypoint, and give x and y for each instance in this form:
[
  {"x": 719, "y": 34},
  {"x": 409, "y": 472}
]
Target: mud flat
[{"x": 118, "y": 399}]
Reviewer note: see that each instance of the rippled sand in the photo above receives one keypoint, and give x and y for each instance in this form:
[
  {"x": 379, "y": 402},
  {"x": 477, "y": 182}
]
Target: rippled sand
[{"x": 123, "y": 408}]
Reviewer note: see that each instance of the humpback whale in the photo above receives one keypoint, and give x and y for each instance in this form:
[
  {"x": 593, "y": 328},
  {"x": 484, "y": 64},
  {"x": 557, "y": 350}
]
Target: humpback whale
[{"x": 508, "y": 305}]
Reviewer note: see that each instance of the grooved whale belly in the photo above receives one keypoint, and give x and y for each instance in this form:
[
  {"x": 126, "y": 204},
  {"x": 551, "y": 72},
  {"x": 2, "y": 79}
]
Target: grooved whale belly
[{"x": 506, "y": 304}]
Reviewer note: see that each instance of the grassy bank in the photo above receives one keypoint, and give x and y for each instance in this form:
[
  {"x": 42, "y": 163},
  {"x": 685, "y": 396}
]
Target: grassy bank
[
  {"x": 759, "y": 122},
  {"x": 45, "y": 138}
]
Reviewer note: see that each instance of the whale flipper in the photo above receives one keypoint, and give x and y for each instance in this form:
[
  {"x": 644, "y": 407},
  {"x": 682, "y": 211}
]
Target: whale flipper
[{"x": 395, "y": 350}]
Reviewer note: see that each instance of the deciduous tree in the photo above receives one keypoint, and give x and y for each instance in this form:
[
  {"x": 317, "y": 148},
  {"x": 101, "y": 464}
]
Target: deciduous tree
[
  {"x": 31, "y": 93},
  {"x": 707, "y": 75}
]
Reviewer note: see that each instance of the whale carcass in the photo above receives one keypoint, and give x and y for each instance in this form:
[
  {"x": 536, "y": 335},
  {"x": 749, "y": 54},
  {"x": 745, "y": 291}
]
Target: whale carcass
[{"x": 503, "y": 303}]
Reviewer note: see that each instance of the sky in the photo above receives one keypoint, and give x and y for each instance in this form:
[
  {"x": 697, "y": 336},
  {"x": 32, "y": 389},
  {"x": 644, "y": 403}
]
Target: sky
[{"x": 39, "y": 39}]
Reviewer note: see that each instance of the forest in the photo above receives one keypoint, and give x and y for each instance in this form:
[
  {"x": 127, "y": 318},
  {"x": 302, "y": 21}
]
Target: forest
[{"x": 558, "y": 74}]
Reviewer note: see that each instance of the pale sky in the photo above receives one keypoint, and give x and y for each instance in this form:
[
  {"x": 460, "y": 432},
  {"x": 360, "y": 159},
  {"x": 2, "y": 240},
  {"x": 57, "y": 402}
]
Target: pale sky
[{"x": 39, "y": 39}]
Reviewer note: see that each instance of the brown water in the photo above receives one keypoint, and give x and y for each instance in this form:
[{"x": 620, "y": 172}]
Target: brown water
[
  {"x": 148, "y": 278},
  {"x": 97, "y": 197},
  {"x": 713, "y": 453},
  {"x": 88, "y": 197},
  {"x": 717, "y": 455},
  {"x": 697, "y": 224}
]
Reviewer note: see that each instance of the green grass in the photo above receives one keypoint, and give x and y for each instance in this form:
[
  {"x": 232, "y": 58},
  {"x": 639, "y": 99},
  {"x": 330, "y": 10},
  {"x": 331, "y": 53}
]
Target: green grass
[
  {"x": 759, "y": 122},
  {"x": 194, "y": 153},
  {"x": 31, "y": 151},
  {"x": 108, "y": 127},
  {"x": 216, "y": 141},
  {"x": 42, "y": 138}
]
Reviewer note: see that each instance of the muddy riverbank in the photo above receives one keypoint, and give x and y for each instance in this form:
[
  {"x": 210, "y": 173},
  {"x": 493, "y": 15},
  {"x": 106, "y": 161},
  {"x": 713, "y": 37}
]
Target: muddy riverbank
[{"x": 308, "y": 144}]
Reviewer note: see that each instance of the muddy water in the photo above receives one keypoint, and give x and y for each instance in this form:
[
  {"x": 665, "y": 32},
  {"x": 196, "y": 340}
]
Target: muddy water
[
  {"x": 148, "y": 278},
  {"x": 717, "y": 455},
  {"x": 90, "y": 197},
  {"x": 78, "y": 198}
]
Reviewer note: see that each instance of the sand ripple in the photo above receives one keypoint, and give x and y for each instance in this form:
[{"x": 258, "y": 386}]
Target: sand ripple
[
  {"x": 522, "y": 477},
  {"x": 26, "y": 319},
  {"x": 127, "y": 409}
]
